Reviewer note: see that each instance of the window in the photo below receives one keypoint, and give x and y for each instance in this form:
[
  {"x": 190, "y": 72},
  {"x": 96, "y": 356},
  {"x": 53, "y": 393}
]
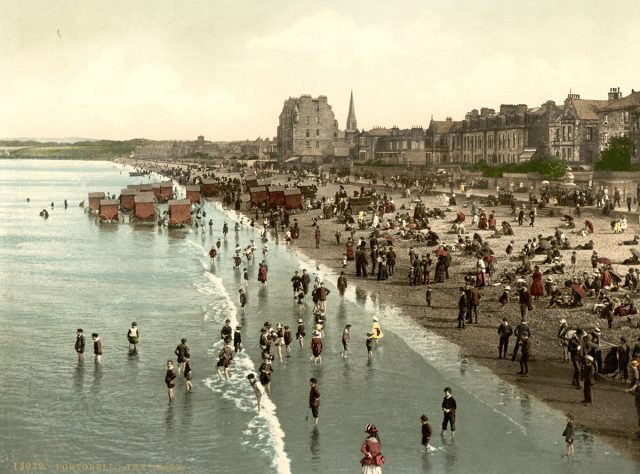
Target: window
[
  {"x": 557, "y": 134},
  {"x": 306, "y": 143},
  {"x": 317, "y": 108},
  {"x": 317, "y": 144},
  {"x": 308, "y": 120},
  {"x": 317, "y": 132},
  {"x": 589, "y": 134},
  {"x": 306, "y": 133},
  {"x": 317, "y": 119},
  {"x": 569, "y": 132}
]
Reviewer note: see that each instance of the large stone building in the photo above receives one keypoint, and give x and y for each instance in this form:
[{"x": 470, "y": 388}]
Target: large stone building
[
  {"x": 307, "y": 128},
  {"x": 573, "y": 136},
  {"x": 392, "y": 145},
  {"x": 515, "y": 133},
  {"x": 261, "y": 148},
  {"x": 620, "y": 118},
  {"x": 443, "y": 141}
]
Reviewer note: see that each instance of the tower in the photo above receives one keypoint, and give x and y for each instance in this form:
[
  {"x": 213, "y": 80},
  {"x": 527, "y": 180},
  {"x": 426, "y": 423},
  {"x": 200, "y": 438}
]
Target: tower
[{"x": 352, "y": 122}]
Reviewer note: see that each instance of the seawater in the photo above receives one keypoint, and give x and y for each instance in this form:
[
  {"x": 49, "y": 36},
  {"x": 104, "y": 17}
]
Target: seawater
[{"x": 69, "y": 271}]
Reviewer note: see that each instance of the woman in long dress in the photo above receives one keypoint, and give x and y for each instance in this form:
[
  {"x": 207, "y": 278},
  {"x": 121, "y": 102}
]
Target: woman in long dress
[
  {"x": 480, "y": 267},
  {"x": 537, "y": 289},
  {"x": 262, "y": 273},
  {"x": 373, "y": 460},
  {"x": 440, "y": 269},
  {"x": 349, "y": 250}
]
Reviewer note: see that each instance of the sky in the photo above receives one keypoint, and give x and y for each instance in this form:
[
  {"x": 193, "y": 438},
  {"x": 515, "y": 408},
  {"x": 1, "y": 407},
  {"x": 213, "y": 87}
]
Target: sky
[{"x": 173, "y": 70}]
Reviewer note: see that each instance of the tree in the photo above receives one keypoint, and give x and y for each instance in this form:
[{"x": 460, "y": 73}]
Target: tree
[
  {"x": 617, "y": 156},
  {"x": 549, "y": 168}
]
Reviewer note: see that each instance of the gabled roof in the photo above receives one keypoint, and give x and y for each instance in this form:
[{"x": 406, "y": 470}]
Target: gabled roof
[
  {"x": 179, "y": 202},
  {"x": 445, "y": 126},
  {"x": 628, "y": 102},
  {"x": 587, "y": 109},
  {"x": 311, "y": 152}
]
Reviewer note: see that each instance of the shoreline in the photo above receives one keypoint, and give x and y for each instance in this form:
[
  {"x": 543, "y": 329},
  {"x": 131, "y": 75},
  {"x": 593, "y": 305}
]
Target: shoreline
[{"x": 612, "y": 416}]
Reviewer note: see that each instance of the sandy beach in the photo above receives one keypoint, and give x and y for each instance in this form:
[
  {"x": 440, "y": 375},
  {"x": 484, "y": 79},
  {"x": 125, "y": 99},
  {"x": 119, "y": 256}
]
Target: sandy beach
[{"x": 613, "y": 414}]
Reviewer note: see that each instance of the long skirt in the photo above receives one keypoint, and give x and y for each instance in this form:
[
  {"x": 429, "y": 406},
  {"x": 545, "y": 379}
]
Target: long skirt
[
  {"x": 440, "y": 273},
  {"x": 371, "y": 470}
]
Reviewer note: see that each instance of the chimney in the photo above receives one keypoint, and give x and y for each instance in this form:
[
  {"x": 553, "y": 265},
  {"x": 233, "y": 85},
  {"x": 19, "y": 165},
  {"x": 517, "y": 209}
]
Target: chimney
[{"x": 614, "y": 93}]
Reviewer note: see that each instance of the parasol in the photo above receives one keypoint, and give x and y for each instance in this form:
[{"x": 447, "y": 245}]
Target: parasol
[
  {"x": 461, "y": 216},
  {"x": 615, "y": 278},
  {"x": 635, "y": 253},
  {"x": 604, "y": 261},
  {"x": 578, "y": 289},
  {"x": 441, "y": 253},
  {"x": 489, "y": 259}
]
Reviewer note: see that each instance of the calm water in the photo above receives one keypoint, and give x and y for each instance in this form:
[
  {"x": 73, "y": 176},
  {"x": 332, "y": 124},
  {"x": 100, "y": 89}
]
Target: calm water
[{"x": 68, "y": 272}]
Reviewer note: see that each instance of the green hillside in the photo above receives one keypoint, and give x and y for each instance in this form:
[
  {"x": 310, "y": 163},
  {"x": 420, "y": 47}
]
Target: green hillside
[{"x": 98, "y": 150}]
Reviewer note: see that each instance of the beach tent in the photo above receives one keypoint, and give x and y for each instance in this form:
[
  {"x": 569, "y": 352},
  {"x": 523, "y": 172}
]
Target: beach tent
[
  {"x": 193, "y": 193},
  {"x": 179, "y": 212},
  {"x": 209, "y": 188},
  {"x": 108, "y": 209},
  {"x": 166, "y": 190},
  {"x": 146, "y": 188},
  {"x": 94, "y": 201},
  {"x": 276, "y": 196},
  {"x": 293, "y": 198},
  {"x": 155, "y": 187},
  {"x": 127, "y": 199},
  {"x": 145, "y": 206},
  {"x": 251, "y": 181},
  {"x": 258, "y": 196}
]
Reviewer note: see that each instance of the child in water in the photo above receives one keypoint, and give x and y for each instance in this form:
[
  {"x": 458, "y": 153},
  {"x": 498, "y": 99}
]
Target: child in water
[
  {"x": 97, "y": 347},
  {"x": 188, "y": 374},
  {"x": 300, "y": 332},
  {"x": 568, "y": 434},
  {"x": 300, "y": 297},
  {"x": 237, "y": 339},
  {"x": 426, "y": 433}
]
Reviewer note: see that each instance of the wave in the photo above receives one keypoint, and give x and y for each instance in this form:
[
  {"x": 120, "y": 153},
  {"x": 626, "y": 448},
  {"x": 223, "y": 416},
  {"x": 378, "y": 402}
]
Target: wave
[{"x": 264, "y": 425}]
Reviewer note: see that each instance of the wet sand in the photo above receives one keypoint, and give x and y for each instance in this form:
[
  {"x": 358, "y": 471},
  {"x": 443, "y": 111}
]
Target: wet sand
[{"x": 612, "y": 416}]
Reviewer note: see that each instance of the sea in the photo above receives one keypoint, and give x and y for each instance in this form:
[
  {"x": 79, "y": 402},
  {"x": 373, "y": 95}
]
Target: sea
[{"x": 70, "y": 271}]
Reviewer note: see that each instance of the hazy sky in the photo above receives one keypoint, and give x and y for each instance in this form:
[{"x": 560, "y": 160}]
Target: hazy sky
[{"x": 169, "y": 69}]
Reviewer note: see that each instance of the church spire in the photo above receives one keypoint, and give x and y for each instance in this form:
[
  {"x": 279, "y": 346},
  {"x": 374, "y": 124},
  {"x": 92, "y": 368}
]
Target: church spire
[{"x": 352, "y": 122}]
